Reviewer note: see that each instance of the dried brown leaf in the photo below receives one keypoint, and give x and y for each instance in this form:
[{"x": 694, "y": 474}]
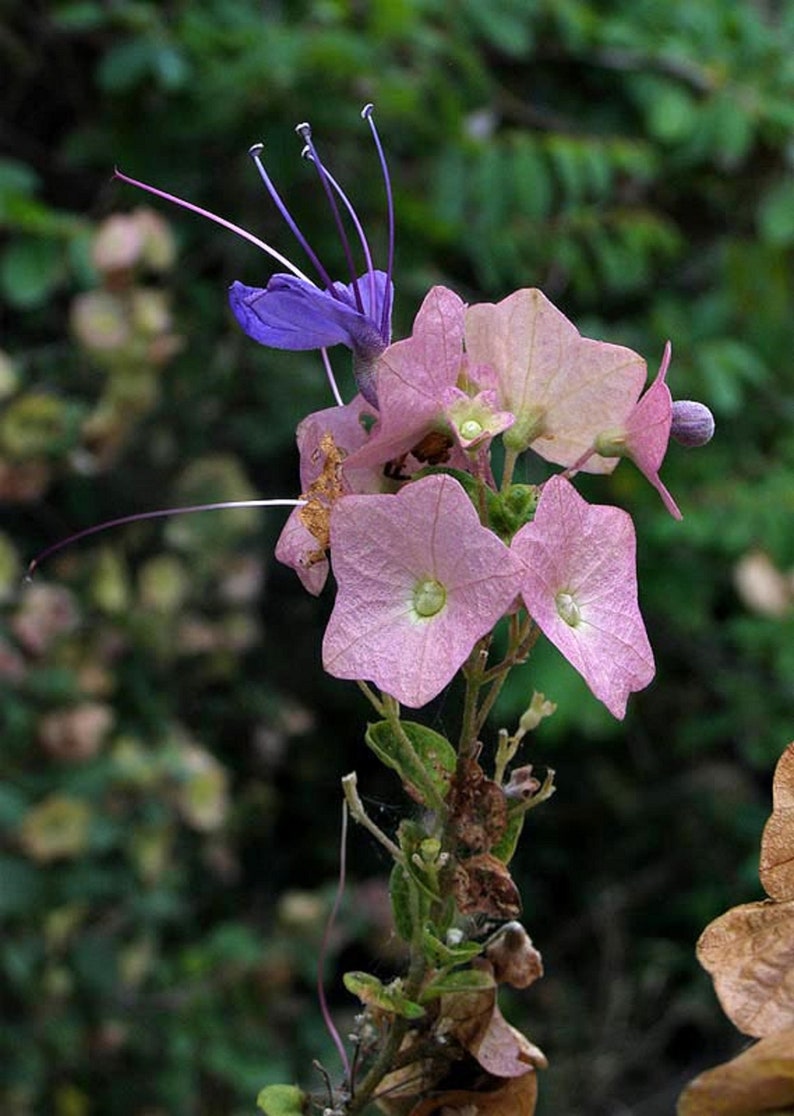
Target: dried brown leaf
[
  {"x": 483, "y": 885},
  {"x": 514, "y": 959},
  {"x": 478, "y": 808},
  {"x": 777, "y": 843},
  {"x": 515, "y": 1097},
  {"x": 749, "y": 953},
  {"x": 475, "y": 1021},
  {"x": 760, "y": 1079}
]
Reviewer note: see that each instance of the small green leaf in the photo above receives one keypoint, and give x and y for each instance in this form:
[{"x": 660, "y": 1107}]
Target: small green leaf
[
  {"x": 29, "y": 270},
  {"x": 282, "y": 1100},
  {"x": 506, "y": 846},
  {"x": 388, "y": 998},
  {"x": 444, "y": 956},
  {"x": 427, "y": 772},
  {"x": 401, "y": 887},
  {"x": 469, "y": 980}
]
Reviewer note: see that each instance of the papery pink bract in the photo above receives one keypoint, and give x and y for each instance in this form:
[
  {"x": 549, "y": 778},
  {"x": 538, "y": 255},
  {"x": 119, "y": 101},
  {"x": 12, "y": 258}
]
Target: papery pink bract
[
  {"x": 648, "y": 432},
  {"x": 579, "y": 561},
  {"x": 297, "y": 546},
  {"x": 412, "y": 377},
  {"x": 382, "y": 548},
  {"x": 562, "y": 388}
]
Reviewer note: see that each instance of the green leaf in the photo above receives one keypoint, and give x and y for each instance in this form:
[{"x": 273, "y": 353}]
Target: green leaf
[
  {"x": 444, "y": 956},
  {"x": 505, "y": 847},
  {"x": 388, "y": 998},
  {"x": 470, "y": 980},
  {"x": 402, "y": 891},
  {"x": 427, "y": 773},
  {"x": 282, "y": 1100},
  {"x": 29, "y": 270},
  {"x": 20, "y": 885},
  {"x": 776, "y": 214}
]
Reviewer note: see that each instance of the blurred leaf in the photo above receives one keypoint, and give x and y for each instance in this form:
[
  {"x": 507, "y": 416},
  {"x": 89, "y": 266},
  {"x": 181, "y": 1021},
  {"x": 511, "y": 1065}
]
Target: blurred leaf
[
  {"x": 20, "y": 886},
  {"x": 282, "y": 1100},
  {"x": 30, "y": 269}
]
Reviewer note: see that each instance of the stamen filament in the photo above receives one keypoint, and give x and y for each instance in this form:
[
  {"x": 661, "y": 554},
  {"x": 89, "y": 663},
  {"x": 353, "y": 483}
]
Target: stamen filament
[
  {"x": 366, "y": 112},
  {"x": 296, "y": 271},
  {"x": 255, "y": 153},
  {"x": 329, "y": 372},
  {"x": 373, "y": 293},
  {"x": 325, "y": 1011},
  {"x": 305, "y": 132},
  {"x": 158, "y": 514}
]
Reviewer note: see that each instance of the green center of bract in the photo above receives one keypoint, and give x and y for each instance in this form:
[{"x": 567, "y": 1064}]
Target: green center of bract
[
  {"x": 568, "y": 609},
  {"x": 429, "y": 597}
]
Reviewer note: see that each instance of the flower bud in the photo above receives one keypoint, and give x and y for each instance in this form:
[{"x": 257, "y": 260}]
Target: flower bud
[{"x": 693, "y": 423}]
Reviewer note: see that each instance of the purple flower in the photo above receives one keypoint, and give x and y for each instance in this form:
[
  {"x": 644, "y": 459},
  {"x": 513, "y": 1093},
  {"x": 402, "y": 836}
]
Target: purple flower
[{"x": 292, "y": 312}]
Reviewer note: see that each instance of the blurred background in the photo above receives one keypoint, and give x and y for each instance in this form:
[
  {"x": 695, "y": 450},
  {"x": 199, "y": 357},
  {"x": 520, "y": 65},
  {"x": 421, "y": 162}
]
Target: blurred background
[{"x": 170, "y": 751}]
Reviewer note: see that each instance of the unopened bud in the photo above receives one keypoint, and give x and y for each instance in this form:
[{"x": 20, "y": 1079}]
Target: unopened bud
[
  {"x": 693, "y": 423},
  {"x": 538, "y": 709}
]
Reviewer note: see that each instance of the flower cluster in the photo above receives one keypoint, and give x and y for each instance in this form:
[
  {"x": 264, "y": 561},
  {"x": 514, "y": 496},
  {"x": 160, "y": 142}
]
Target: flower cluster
[{"x": 428, "y": 549}]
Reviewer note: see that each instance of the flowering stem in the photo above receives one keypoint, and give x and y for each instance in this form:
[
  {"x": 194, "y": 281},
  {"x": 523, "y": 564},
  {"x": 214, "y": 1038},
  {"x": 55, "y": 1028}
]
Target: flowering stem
[
  {"x": 473, "y": 672},
  {"x": 511, "y": 457},
  {"x": 373, "y": 699}
]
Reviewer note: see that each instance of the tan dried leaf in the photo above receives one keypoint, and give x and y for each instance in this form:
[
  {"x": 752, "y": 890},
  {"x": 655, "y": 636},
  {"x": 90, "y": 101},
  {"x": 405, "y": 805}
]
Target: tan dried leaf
[
  {"x": 483, "y": 885},
  {"x": 759, "y": 1080},
  {"x": 517, "y": 1096},
  {"x": 514, "y": 959},
  {"x": 749, "y": 953},
  {"x": 475, "y": 1021},
  {"x": 777, "y": 843},
  {"x": 478, "y": 808}
]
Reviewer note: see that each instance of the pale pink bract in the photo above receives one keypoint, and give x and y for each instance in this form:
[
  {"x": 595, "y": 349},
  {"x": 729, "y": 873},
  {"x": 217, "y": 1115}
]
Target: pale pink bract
[
  {"x": 579, "y": 584},
  {"x": 385, "y": 550}
]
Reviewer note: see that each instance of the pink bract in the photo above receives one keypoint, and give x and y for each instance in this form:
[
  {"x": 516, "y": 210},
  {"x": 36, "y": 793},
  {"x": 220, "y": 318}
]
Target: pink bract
[
  {"x": 384, "y": 550},
  {"x": 563, "y": 389},
  {"x": 579, "y": 584},
  {"x": 412, "y": 378},
  {"x": 321, "y": 437},
  {"x": 648, "y": 432}
]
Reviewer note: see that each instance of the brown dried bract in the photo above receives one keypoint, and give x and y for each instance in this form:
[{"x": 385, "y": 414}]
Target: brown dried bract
[
  {"x": 749, "y": 953},
  {"x": 517, "y": 1096},
  {"x": 513, "y": 957},
  {"x": 777, "y": 844},
  {"x": 760, "y": 1079},
  {"x": 483, "y": 885},
  {"x": 478, "y": 808},
  {"x": 475, "y": 1021}
]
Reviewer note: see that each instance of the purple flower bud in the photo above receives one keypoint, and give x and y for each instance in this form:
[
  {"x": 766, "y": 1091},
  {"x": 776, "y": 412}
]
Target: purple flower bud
[{"x": 693, "y": 423}]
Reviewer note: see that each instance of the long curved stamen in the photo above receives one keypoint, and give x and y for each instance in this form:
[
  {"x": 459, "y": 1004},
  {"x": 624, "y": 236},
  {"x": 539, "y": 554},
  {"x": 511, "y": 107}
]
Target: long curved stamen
[
  {"x": 329, "y": 372},
  {"x": 360, "y": 232},
  {"x": 305, "y": 132},
  {"x": 340, "y": 890},
  {"x": 160, "y": 513},
  {"x": 296, "y": 271},
  {"x": 366, "y": 113},
  {"x": 256, "y": 152}
]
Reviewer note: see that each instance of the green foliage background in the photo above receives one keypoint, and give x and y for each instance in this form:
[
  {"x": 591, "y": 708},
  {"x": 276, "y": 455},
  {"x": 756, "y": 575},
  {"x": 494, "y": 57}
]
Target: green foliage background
[{"x": 170, "y": 749}]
